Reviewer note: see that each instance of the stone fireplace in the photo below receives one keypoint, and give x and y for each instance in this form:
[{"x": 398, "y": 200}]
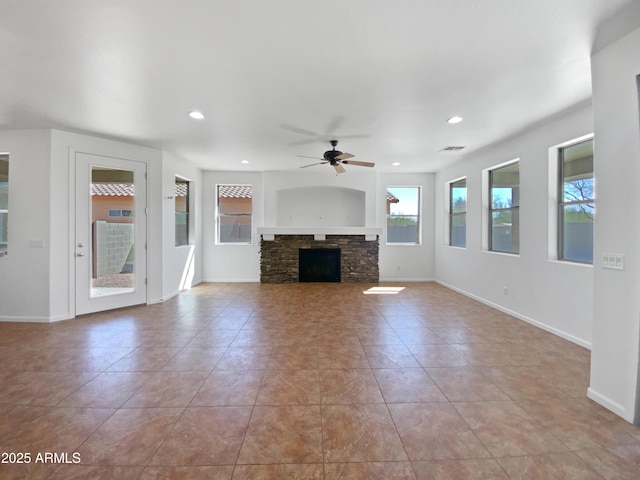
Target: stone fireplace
[{"x": 280, "y": 252}]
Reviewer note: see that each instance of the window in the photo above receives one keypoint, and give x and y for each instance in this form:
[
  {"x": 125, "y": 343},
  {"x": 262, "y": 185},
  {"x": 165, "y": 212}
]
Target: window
[
  {"x": 576, "y": 206},
  {"x": 181, "y": 196},
  {"x": 4, "y": 202},
  {"x": 458, "y": 213},
  {"x": 118, "y": 212},
  {"x": 234, "y": 213},
  {"x": 403, "y": 215},
  {"x": 504, "y": 209}
]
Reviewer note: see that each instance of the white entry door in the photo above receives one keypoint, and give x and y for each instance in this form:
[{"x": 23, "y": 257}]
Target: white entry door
[{"x": 110, "y": 233}]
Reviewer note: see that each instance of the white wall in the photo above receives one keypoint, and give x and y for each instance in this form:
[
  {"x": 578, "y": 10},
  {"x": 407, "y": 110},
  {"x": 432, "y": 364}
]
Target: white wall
[
  {"x": 543, "y": 291},
  {"x": 274, "y": 182},
  {"x": 407, "y": 262},
  {"x": 242, "y": 262},
  {"x": 615, "y": 350},
  {"x": 63, "y": 147},
  {"x": 24, "y": 272},
  {"x": 230, "y": 263},
  {"x": 182, "y": 266},
  {"x": 320, "y": 206}
]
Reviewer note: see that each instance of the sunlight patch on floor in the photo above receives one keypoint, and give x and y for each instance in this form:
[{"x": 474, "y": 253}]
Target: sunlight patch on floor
[{"x": 383, "y": 290}]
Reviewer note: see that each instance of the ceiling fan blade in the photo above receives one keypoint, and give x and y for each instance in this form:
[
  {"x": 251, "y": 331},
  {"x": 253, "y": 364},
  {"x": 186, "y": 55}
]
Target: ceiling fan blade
[
  {"x": 344, "y": 156},
  {"x": 306, "y": 156},
  {"x": 334, "y": 124},
  {"x": 359, "y": 163},
  {"x": 311, "y": 165},
  {"x": 302, "y": 142},
  {"x": 301, "y": 131},
  {"x": 359, "y": 135},
  {"x": 339, "y": 168}
]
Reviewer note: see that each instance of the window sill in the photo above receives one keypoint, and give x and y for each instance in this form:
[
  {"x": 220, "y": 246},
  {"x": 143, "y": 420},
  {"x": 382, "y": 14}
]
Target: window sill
[
  {"x": 503, "y": 254},
  {"x": 570, "y": 263}
]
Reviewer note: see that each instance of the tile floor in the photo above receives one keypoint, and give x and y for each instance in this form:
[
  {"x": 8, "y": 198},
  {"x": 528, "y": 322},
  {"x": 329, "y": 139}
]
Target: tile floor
[{"x": 304, "y": 381}]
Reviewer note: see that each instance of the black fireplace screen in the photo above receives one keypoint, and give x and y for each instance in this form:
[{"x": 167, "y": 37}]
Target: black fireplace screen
[{"x": 319, "y": 264}]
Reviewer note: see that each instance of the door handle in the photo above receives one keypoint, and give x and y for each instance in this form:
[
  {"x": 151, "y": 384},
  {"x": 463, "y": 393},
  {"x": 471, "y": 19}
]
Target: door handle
[{"x": 79, "y": 254}]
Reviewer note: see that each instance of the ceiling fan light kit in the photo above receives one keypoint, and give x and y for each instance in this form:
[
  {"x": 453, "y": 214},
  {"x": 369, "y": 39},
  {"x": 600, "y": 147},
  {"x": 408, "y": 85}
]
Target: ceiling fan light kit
[{"x": 336, "y": 159}]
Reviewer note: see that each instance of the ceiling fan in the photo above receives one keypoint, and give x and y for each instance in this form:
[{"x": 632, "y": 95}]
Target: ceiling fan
[{"x": 336, "y": 158}]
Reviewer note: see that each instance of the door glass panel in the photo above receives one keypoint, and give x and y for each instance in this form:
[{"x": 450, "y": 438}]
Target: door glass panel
[{"x": 112, "y": 231}]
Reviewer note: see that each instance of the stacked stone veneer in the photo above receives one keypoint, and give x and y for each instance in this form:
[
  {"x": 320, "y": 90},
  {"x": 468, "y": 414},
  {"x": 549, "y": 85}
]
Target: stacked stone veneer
[
  {"x": 113, "y": 243},
  {"x": 358, "y": 257}
]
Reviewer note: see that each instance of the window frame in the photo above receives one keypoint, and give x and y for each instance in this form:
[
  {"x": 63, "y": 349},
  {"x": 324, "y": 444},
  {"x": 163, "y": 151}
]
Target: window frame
[
  {"x": 187, "y": 212},
  {"x": 418, "y": 217},
  {"x": 561, "y": 203},
  {"x": 218, "y": 239},
  {"x": 453, "y": 214},
  {"x": 4, "y": 157},
  {"x": 511, "y": 209}
]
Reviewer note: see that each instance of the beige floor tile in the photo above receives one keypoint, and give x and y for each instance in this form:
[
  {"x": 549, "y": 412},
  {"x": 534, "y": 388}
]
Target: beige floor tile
[
  {"x": 462, "y": 384},
  {"x": 481, "y": 469},
  {"x": 360, "y": 433},
  {"x": 369, "y": 471},
  {"x": 229, "y": 387},
  {"x": 552, "y": 466},
  {"x": 348, "y": 386},
  {"x": 266, "y": 381},
  {"x": 129, "y": 437},
  {"x": 435, "y": 431},
  {"x": 205, "y": 436},
  {"x": 290, "y": 387},
  {"x": 408, "y": 385},
  {"x": 283, "y": 434}
]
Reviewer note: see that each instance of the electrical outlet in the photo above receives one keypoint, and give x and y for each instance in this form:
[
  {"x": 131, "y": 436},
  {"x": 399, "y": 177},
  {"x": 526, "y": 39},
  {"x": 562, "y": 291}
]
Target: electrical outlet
[{"x": 505, "y": 290}]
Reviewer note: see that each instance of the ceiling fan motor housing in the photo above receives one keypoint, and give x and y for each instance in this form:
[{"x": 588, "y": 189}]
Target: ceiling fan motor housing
[{"x": 330, "y": 156}]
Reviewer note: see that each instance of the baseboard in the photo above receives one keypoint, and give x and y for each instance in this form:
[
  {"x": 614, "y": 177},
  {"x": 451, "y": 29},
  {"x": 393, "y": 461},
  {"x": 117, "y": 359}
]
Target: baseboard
[
  {"x": 231, "y": 280},
  {"x": 57, "y": 318},
  {"x": 519, "y": 316},
  {"x": 405, "y": 280},
  {"x": 609, "y": 404}
]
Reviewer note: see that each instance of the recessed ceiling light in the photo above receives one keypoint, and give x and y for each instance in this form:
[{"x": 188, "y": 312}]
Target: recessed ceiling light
[
  {"x": 244, "y": 161},
  {"x": 454, "y": 120},
  {"x": 196, "y": 115},
  {"x": 395, "y": 164}
]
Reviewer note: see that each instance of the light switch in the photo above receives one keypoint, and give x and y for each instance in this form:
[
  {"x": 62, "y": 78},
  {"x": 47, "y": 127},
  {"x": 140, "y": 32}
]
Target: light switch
[{"x": 614, "y": 261}]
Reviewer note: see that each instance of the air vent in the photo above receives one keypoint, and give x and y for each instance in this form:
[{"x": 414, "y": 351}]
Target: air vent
[{"x": 451, "y": 148}]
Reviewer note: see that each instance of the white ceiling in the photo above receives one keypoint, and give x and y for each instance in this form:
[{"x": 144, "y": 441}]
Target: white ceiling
[{"x": 283, "y": 77}]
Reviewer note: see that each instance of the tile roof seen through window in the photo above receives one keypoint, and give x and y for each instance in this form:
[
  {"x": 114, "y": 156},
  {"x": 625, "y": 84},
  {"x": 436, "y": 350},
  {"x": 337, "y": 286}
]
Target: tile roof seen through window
[
  {"x": 227, "y": 191},
  {"x": 234, "y": 191},
  {"x": 112, "y": 189}
]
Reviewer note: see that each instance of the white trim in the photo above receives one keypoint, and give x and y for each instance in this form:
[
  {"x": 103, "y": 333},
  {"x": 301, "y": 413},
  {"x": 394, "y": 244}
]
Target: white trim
[
  {"x": 232, "y": 280},
  {"x": 519, "y": 316},
  {"x": 57, "y": 318},
  {"x": 606, "y": 402},
  {"x": 405, "y": 280}
]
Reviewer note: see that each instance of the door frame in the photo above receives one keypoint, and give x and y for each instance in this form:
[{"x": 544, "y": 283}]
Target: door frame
[{"x": 73, "y": 162}]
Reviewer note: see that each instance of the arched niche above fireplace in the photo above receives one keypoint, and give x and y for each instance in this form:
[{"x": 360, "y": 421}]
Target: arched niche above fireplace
[{"x": 320, "y": 207}]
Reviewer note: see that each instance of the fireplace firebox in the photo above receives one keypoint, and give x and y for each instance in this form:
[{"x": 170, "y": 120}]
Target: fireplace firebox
[{"x": 319, "y": 264}]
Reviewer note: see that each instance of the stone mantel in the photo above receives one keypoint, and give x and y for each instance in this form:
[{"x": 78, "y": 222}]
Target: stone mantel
[{"x": 319, "y": 233}]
